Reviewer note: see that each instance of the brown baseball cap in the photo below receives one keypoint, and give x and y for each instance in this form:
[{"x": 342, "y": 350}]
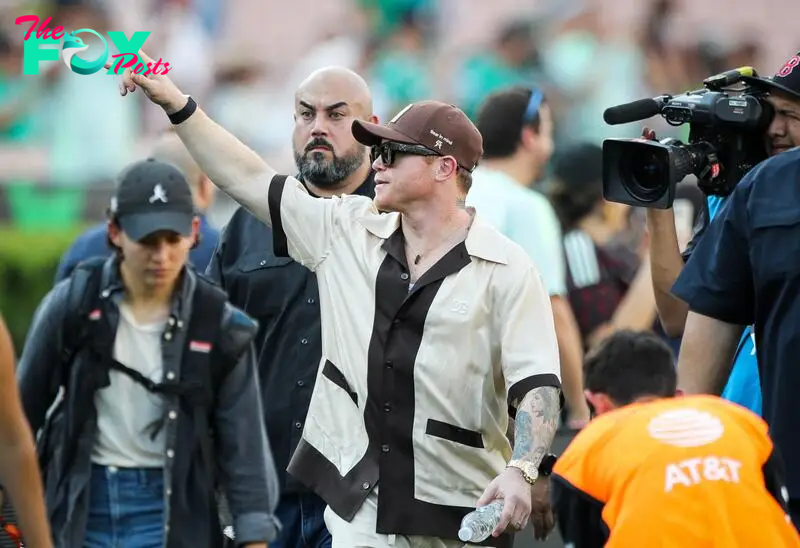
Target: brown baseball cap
[{"x": 440, "y": 127}]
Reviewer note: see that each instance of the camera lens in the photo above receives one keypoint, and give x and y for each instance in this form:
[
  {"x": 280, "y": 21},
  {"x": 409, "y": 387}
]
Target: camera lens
[{"x": 644, "y": 176}]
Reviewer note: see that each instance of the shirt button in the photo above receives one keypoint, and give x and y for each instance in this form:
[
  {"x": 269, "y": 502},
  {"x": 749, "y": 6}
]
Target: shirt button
[
  {"x": 170, "y": 375},
  {"x": 303, "y": 341},
  {"x": 170, "y": 453},
  {"x": 396, "y": 321},
  {"x": 173, "y": 415},
  {"x": 106, "y": 293},
  {"x": 365, "y": 485},
  {"x": 168, "y": 336},
  {"x": 298, "y": 425},
  {"x": 387, "y": 407},
  {"x": 385, "y": 448},
  {"x": 112, "y": 469},
  {"x": 171, "y": 320},
  {"x": 404, "y": 276},
  {"x": 169, "y": 491},
  {"x": 389, "y": 364},
  {"x": 311, "y": 300},
  {"x": 262, "y": 263},
  {"x": 300, "y": 383}
]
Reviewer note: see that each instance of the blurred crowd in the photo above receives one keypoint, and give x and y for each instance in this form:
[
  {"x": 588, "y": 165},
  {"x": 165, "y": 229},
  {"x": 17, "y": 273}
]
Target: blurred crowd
[
  {"x": 581, "y": 64},
  {"x": 536, "y": 91},
  {"x": 83, "y": 135}
]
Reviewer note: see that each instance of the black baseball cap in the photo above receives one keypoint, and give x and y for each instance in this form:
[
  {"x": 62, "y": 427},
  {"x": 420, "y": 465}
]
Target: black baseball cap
[
  {"x": 152, "y": 196},
  {"x": 786, "y": 80}
]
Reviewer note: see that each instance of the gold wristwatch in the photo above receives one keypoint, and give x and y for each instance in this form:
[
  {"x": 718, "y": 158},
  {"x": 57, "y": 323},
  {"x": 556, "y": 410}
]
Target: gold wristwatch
[{"x": 529, "y": 471}]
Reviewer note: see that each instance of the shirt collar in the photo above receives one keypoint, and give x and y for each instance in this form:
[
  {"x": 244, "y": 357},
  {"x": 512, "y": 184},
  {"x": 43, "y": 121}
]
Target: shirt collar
[{"x": 483, "y": 241}]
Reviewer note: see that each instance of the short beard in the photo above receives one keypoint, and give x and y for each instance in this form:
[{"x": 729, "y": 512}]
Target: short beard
[{"x": 324, "y": 173}]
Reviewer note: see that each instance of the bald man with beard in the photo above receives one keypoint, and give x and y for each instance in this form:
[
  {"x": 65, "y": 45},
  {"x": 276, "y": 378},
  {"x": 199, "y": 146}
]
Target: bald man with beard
[
  {"x": 168, "y": 148},
  {"x": 283, "y": 295}
]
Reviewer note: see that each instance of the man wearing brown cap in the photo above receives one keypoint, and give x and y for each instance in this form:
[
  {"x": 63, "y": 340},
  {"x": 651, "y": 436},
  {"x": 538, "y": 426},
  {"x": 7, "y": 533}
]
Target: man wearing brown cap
[{"x": 436, "y": 328}]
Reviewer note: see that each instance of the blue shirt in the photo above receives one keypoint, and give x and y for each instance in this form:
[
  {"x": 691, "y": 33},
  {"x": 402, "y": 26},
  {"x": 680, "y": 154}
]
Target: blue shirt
[
  {"x": 746, "y": 271},
  {"x": 94, "y": 243},
  {"x": 743, "y": 385}
]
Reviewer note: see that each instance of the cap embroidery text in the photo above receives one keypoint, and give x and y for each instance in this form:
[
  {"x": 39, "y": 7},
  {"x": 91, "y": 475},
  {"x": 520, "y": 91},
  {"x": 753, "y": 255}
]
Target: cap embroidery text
[{"x": 441, "y": 137}]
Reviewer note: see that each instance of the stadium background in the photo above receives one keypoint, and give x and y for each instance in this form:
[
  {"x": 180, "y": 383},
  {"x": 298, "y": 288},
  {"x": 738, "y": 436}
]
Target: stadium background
[{"x": 63, "y": 137}]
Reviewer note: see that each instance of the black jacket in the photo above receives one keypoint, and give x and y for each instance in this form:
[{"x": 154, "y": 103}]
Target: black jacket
[{"x": 247, "y": 472}]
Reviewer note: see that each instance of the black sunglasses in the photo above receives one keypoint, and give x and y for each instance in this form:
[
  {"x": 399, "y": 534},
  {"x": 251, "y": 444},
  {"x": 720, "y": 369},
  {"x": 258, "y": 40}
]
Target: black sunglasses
[
  {"x": 388, "y": 152},
  {"x": 534, "y": 103}
]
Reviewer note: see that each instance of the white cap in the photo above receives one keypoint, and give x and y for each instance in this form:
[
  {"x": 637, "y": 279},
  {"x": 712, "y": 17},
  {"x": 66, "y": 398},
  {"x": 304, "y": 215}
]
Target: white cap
[{"x": 465, "y": 534}]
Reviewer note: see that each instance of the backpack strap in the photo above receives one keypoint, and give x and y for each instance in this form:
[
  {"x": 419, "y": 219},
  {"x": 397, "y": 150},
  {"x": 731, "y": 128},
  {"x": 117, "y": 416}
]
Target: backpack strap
[
  {"x": 202, "y": 354},
  {"x": 83, "y": 306}
]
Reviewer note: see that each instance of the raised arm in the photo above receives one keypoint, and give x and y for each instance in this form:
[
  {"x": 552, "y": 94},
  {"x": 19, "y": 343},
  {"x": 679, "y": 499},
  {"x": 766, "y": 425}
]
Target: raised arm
[
  {"x": 666, "y": 265},
  {"x": 233, "y": 166},
  {"x": 303, "y": 225}
]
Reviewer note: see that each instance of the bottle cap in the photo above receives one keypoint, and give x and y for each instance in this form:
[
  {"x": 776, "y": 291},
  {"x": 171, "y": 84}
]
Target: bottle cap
[{"x": 465, "y": 534}]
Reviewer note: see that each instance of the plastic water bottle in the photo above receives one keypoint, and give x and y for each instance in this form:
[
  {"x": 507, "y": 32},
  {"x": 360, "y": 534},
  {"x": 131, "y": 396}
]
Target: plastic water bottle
[{"x": 479, "y": 524}]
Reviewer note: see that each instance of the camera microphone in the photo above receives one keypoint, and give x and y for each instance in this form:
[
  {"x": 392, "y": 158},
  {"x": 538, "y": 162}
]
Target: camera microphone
[{"x": 633, "y": 112}]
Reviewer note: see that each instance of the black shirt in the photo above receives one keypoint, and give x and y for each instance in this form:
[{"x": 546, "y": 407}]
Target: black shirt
[
  {"x": 283, "y": 296},
  {"x": 746, "y": 270}
]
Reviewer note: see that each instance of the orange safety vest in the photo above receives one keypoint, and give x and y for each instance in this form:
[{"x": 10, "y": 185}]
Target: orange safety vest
[{"x": 691, "y": 471}]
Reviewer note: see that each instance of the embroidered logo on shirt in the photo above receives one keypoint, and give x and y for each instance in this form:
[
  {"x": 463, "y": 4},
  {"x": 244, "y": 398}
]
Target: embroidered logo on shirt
[{"x": 200, "y": 346}]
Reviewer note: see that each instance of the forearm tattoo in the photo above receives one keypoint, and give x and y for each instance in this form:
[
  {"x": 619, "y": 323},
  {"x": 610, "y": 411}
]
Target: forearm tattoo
[{"x": 536, "y": 423}]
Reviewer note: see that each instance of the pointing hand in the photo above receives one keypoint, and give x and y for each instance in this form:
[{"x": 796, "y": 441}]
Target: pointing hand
[{"x": 157, "y": 87}]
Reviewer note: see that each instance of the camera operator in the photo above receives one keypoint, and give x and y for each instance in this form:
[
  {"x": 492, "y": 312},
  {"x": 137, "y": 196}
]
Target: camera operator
[
  {"x": 667, "y": 261},
  {"x": 746, "y": 271}
]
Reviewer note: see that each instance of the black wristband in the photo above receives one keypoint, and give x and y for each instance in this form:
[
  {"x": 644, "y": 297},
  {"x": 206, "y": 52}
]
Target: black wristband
[
  {"x": 183, "y": 114},
  {"x": 546, "y": 466}
]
